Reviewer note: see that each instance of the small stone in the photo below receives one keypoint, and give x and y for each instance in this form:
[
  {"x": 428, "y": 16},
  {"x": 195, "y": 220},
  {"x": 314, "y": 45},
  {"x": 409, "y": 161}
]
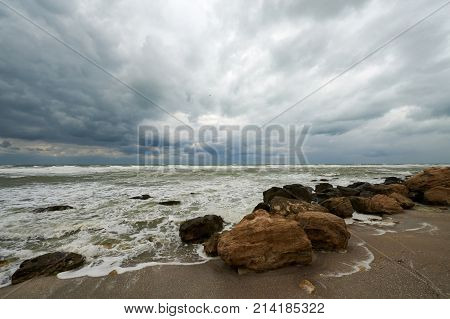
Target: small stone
[
  {"x": 113, "y": 273},
  {"x": 307, "y": 286}
]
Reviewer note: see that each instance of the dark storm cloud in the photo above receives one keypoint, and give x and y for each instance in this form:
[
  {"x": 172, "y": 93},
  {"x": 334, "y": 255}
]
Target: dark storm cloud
[{"x": 210, "y": 61}]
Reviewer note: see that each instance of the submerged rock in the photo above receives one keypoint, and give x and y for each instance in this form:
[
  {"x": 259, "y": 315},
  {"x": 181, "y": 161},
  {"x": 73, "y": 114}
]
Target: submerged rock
[
  {"x": 200, "y": 229},
  {"x": 265, "y": 242},
  {"x": 47, "y": 265},
  {"x": 142, "y": 197},
  {"x": 56, "y": 208},
  {"x": 339, "y": 206},
  {"x": 325, "y": 231},
  {"x": 170, "y": 203},
  {"x": 438, "y": 196},
  {"x": 290, "y": 207}
]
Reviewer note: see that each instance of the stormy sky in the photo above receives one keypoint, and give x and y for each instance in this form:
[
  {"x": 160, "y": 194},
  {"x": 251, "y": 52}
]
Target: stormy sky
[{"x": 224, "y": 63}]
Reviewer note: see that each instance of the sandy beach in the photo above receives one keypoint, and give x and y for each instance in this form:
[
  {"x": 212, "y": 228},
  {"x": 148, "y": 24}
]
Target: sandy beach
[{"x": 410, "y": 260}]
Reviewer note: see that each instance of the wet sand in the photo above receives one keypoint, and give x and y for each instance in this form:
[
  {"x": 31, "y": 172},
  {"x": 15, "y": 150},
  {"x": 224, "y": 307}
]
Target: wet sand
[{"x": 411, "y": 260}]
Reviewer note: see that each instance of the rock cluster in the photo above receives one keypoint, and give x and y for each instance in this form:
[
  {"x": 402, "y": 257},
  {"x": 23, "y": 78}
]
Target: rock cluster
[
  {"x": 432, "y": 186},
  {"x": 294, "y": 220}
]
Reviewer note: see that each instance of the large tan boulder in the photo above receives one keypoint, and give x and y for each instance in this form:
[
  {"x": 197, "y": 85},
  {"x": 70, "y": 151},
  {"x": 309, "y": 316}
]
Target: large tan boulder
[
  {"x": 438, "y": 196},
  {"x": 402, "y": 200},
  {"x": 290, "y": 207},
  {"x": 339, "y": 206},
  {"x": 429, "y": 178},
  {"x": 325, "y": 231},
  {"x": 265, "y": 242},
  {"x": 378, "y": 204},
  {"x": 398, "y": 188}
]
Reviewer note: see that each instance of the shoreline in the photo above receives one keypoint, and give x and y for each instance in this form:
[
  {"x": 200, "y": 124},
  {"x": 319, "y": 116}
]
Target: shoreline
[{"x": 411, "y": 262}]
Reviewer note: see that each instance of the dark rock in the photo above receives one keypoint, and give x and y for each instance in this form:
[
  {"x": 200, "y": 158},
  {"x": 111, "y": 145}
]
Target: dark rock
[
  {"x": 210, "y": 246},
  {"x": 359, "y": 185},
  {"x": 393, "y": 180},
  {"x": 339, "y": 206},
  {"x": 328, "y": 193},
  {"x": 47, "y": 265},
  {"x": 348, "y": 191},
  {"x": 322, "y": 187},
  {"x": 142, "y": 197},
  {"x": 262, "y": 206},
  {"x": 170, "y": 203},
  {"x": 200, "y": 229},
  {"x": 299, "y": 192},
  {"x": 276, "y": 192},
  {"x": 53, "y": 208},
  {"x": 323, "y": 180}
]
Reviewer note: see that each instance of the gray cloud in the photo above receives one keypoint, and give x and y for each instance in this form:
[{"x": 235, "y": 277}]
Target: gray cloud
[{"x": 229, "y": 61}]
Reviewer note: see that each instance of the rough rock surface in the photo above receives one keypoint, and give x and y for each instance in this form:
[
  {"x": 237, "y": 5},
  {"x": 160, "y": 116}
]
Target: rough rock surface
[
  {"x": 265, "y": 242},
  {"x": 438, "y": 196},
  {"x": 378, "y": 205},
  {"x": 210, "y": 246},
  {"x": 429, "y": 178},
  {"x": 262, "y": 206},
  {"x": 325, "y": 231},
  {"x": 322, "y": 187},
  {"x": 393, "y": 180},
  {"x": 200, "y": 229},
  {"x": 299, "y": 192},
  {"x": 339, "y": 206},
  {"x": 327, "y": 194},
  {"x": 272, "y": 192},
  {"x": 404, "y": 201},
  {"x": 291, "y": 207},
  {"x": 47, "y": 265}
]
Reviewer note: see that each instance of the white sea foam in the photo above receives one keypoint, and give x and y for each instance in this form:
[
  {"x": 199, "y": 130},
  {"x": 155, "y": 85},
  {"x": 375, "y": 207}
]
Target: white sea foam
[
  {"x": 424, "y": 227},
  {"x": 373, "y": 220},
  {"x": 354, "y": 266}
]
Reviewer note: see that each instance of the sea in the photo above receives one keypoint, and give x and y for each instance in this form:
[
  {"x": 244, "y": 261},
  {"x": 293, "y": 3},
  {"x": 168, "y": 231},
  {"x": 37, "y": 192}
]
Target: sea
[{"x": 115, "y": 232}]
